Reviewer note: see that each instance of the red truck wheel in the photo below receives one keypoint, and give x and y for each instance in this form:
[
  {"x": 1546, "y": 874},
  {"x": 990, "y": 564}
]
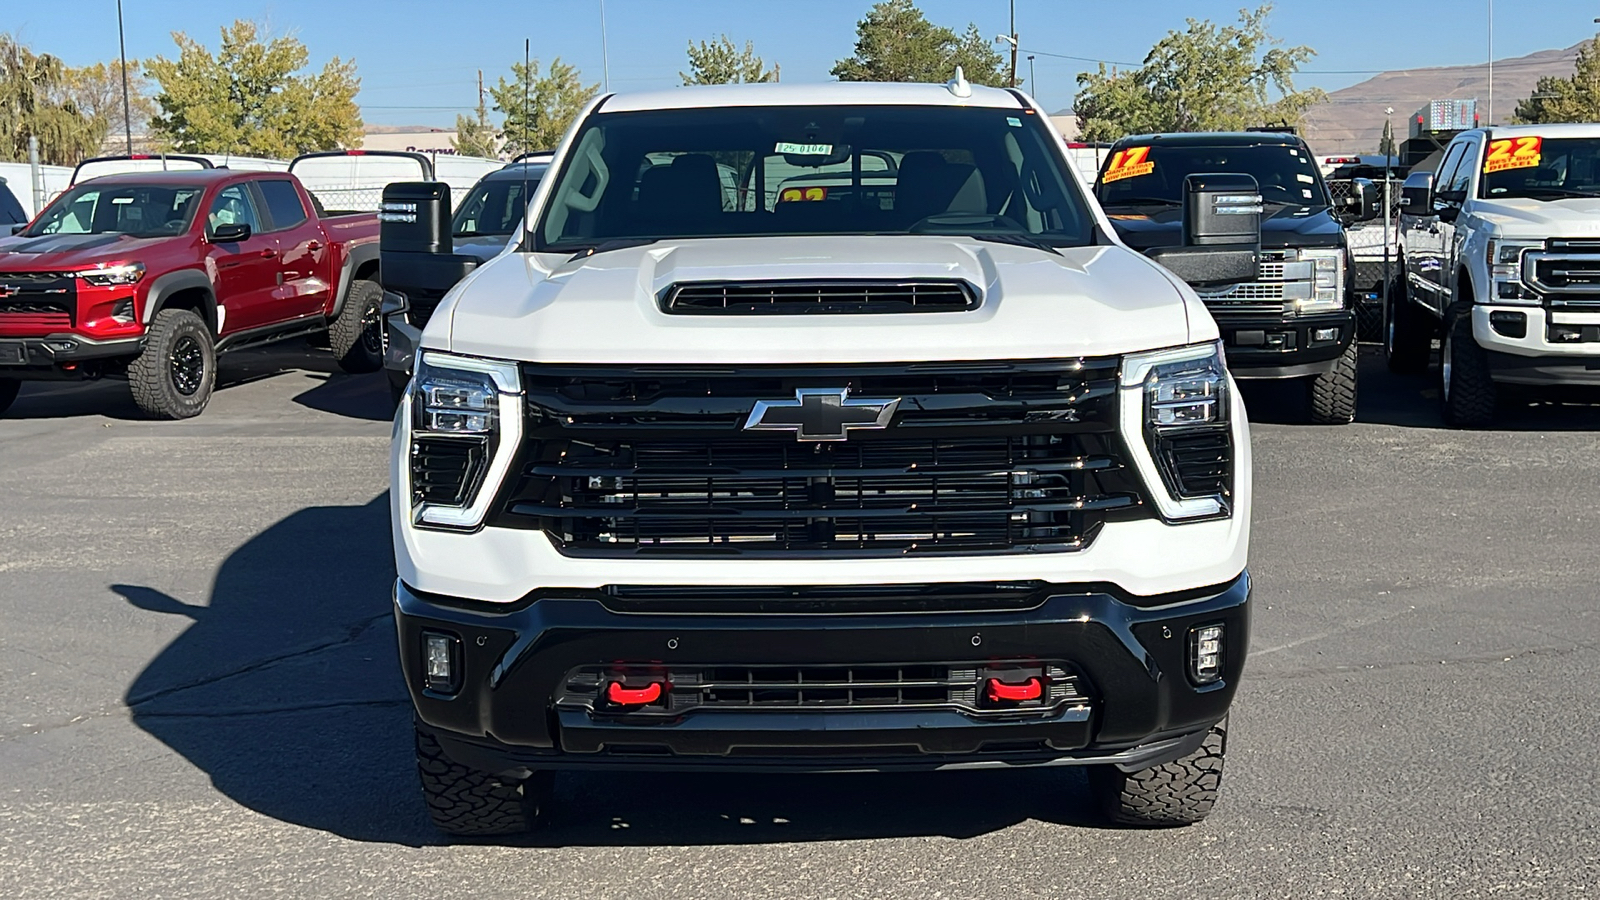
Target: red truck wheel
[{"x": 174, "y": 376}]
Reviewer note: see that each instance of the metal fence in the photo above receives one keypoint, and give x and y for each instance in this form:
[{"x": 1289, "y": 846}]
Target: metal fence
[{"x": 1368, "y": 242}]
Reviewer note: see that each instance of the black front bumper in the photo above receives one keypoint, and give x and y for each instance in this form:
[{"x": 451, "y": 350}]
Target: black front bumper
[
  {"x": 514, "y": 713},
  {"x": 42, "y": 358},
  {"x": 1283, "y": 346}
]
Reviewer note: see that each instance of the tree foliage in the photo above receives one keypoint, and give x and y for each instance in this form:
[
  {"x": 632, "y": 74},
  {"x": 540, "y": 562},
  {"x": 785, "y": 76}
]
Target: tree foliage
[
  {"x": 720, "y": 62},
  {"x": 474, "y": 135},
  {"x": 1206, "y": 78},
  {"x": 248, "y": 99},
  {"x": 36, "y": 100},
  {"x": 896, "y": 42},
  {"x": 1572, "y": 99},
  {"x": 538, "y": 109},
  {"x": 97, "y": 91}
]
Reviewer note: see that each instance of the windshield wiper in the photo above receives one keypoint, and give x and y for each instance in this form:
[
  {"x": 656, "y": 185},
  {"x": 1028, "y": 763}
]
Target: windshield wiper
[
  {"x": 1016, "y": 238},
  {"x": 1142, "y": 201},
  {"x": 608, "y": 246}
]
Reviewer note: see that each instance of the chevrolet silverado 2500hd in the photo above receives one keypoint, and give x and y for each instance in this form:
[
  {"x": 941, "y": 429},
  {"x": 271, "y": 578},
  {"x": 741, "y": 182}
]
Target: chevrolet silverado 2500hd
[
  {"x": 928, "y": 475},
  {"x": 1501, "y": 260}
]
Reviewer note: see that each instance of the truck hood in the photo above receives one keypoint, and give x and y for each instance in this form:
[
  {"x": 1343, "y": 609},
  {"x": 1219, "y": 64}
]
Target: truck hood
[
  {"x": 1088, "y": 301},
  {"x": 1281, "y": 226},
  {"x": 1525, "y": 217},
  {"x": 72, "y": 251}
]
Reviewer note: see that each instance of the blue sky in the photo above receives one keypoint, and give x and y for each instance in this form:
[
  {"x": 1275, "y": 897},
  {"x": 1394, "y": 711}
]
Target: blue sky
[{"x": 418, "y": 60}]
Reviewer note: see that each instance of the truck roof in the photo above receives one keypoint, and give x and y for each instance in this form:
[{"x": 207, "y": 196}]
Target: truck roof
[
  {"x": 1214, "y": 138},
  {"x": 1575, "y": 130},
  {"x": 844, "y": 93},
  {"x": 179, "y": 177}
]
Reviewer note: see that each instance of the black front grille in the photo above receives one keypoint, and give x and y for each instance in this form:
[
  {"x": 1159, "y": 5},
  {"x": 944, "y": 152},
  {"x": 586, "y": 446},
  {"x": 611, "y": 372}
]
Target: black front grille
[
  {"x": 992, "y": 458},
  {"x": 788, "y": 688},
  {"x": 1198, "y": 461},
  {"x": 34, "y": 294},
  {"x": 817, "y": 297},
  {"x": 443, "y": 470},
  {"x": 828, "y": 599}
]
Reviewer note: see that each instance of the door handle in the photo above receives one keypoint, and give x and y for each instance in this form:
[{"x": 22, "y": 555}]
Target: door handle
[
  {"x": 268, "y": 254},
  {"x": 314, "y": 245}
]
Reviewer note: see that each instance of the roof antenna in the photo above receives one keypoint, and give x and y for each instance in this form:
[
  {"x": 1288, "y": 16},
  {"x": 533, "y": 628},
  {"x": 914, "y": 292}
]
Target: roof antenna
[{"x": 958, "y": 85}]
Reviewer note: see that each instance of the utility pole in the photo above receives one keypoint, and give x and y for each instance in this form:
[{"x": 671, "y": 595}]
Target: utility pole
[
  {"x": 605, "y": 53},
  {"x": 1491, "y": 63},
  {"x": 1033, "y": 83},
  {"x": 127, "y": 114},
  {"x": 1013, "y": 41}
]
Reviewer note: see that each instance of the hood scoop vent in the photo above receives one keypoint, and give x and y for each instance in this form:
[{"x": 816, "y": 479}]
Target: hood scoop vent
[{"x": 814, "y": 297}]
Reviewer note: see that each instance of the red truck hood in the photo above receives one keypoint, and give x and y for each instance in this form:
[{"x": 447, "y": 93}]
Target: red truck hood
[{"x": 71, "y": 251}]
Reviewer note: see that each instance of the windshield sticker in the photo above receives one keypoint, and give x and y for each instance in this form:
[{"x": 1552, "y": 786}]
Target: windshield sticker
[
  {"x": 1013, "y": 121},
  {"x": 794, "y": 195},
  {"x": 804, "y": 149},
  {"x": 1306, "y": 178},
  {"x": 1306, "y": 193},
  {"x": 1513, "y": 153},
  {"x": 1129, "y": 163}
]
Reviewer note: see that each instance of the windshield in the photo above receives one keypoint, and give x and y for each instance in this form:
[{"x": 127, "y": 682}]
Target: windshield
[
  {"x": 134, "y": 209},
  {"x": 795, "y": 170},
  {"x": 1143, "y": 174},
  {"x": 1541, "y": 168},
  {"x": 495, "y": 205}
]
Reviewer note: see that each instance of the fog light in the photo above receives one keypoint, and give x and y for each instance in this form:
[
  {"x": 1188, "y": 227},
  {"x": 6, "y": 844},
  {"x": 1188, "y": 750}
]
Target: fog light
[
  {"x": 1326, "y": 334},
  {"x": 122, "y": 312},
  {"x": 441, "y": 662},
  {"x": 1205, "y": 654},
  {"x": 1510, "y": 324}
]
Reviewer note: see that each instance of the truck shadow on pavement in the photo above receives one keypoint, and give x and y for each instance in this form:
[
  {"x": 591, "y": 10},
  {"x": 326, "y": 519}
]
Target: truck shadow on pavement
[{"x": 286, "y": 691}]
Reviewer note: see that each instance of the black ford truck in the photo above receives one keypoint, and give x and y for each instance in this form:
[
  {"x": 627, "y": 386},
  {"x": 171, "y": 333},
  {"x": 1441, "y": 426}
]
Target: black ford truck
[{"x": 1294, "y": 319}]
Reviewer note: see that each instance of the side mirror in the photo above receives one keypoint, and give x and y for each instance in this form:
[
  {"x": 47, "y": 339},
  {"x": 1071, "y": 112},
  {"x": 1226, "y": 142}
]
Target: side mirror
[
  {"x": 1416, "y": 195},
  {"x": 1366, "y": 200},
  {"x": 18, "y": 227},
  {"x": 230, "y": 234}
]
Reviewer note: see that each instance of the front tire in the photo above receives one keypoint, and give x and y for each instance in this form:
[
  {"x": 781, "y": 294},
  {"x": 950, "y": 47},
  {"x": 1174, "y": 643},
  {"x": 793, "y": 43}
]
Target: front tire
[
  {"x": 1407, "y": 332},
  {"x": 174, "y": 376},
  {"x": 470, "y": 802},
  {"x": 1333, "y": 393},
  {"x": 8, "y": 393},
  {"x": 357, "y": 335},
  {"x": 1181, "y": 792},
  {"x": 1466, "y": 389}
]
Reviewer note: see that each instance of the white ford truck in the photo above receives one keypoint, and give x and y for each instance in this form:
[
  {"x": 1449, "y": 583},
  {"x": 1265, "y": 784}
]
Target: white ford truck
[
  {"x": 926, "y": 472},
  {"x": 1500, "y": 251}
]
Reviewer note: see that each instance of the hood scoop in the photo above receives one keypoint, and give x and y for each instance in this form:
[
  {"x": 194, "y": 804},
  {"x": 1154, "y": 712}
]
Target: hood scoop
[{"x": 818, "y": 297}]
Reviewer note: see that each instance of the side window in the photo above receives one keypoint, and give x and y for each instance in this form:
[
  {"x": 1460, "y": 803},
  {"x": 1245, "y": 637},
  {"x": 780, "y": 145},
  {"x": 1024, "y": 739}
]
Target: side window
[
  {"x": 233, "y": 206},
  {"x": 283, "y": 203},
  {"x": 1447, "y": 168},
  {"x": 1462, "y": 177}
]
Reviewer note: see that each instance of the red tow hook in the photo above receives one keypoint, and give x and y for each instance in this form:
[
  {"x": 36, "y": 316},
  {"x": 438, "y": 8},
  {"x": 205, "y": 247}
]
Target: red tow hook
[
  {"x": 1028, "y": 690},
  {"x": 624, "y": 696}
]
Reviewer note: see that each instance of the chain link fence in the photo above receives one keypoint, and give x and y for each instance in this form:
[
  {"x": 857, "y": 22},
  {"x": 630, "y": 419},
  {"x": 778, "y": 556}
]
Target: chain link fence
[{"x": 1368, "y": 241}]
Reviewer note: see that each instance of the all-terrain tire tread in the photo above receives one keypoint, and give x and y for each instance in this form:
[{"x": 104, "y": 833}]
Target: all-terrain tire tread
[
  {"x": 344, "y": 335},
  {"x": 1181, "y": 792},
  {"x": 1471, "y": 399},
  {"x": 1333, "y": 393},
  {"x": 470, "y": 802},
  {"x": 148, "y": 378}
]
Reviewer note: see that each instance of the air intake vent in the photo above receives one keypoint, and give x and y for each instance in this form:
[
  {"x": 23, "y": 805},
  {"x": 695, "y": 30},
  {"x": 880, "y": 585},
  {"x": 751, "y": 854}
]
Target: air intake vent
[
  {"x": 1198, "y": 461},
  {"x": 761, "y": 298},
  {"x": 443, "y": 469}
]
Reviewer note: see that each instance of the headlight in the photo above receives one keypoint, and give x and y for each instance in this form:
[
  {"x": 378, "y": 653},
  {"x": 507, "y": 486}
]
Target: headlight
[
  {"x": 465, "y": 427},
  {"x": 1505, "y": 271},
  {"x": 1327, "y": 290},
  {"x": 1175, "y": 414},
  {"x": 106, "y": 276}
]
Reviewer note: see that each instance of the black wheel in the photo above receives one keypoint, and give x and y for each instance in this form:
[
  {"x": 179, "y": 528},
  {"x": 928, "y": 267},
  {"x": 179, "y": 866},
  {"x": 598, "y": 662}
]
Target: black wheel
[
  {"x": 173, "y": 377},
  {"x": 357, "y": 335},
  {"x": 1181, "y": 792},
  {"x": 1407, "y": 331},
  {"x": 467, "y": 801},
  {"x": 1332, "y": 394},
  {"x": 8, "y": 393},
  {"x": 1466, "y": 390}
]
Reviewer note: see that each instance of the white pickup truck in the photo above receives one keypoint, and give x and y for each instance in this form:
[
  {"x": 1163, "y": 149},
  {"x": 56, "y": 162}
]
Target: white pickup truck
[
  {"x": 1501, "y": 260},
  {"x": 912, "y": 476}
]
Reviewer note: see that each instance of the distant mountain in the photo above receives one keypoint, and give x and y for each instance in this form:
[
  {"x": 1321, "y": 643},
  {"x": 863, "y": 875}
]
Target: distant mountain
[{"x": 1352, "y": 119}]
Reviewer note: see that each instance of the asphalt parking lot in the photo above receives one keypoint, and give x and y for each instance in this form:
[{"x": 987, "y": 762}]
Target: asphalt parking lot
[{"x": 202, "y": 697}]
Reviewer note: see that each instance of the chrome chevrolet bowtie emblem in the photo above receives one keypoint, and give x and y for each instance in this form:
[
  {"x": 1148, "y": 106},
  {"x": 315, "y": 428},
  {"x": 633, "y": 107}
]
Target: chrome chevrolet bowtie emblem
[
  {"x": 821, "y": 414},
  {"x": 7, "y": 290}
]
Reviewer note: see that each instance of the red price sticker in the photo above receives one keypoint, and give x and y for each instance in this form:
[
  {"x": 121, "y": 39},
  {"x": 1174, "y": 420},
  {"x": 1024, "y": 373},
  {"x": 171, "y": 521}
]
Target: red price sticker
[
  {"x": 1513, "y": 153},
  {"x": 1129, "y": 163}
]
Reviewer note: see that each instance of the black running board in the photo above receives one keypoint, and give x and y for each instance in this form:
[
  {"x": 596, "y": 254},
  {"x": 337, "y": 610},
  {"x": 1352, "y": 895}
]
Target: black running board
[{"x": 272, "y": 334}]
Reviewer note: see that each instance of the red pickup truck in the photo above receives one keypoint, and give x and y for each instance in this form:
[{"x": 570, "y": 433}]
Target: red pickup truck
[{"x": 150, "y": 275}]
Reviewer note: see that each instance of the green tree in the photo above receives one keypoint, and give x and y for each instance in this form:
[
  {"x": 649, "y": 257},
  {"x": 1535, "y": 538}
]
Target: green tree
[
  {"x": 896, "y": 42},
  {"x": 538, "y": 109},
  {"x": 720, "y": 62},
  {"x": 1207, "y": 78},
  {"x": 1573, "y": 99},
  {"x": 97, "y": 90},
  {"x": 474, "y": 135},
  {"x": 248, "y": 99},
  {"x": 36, "y": 101}
]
